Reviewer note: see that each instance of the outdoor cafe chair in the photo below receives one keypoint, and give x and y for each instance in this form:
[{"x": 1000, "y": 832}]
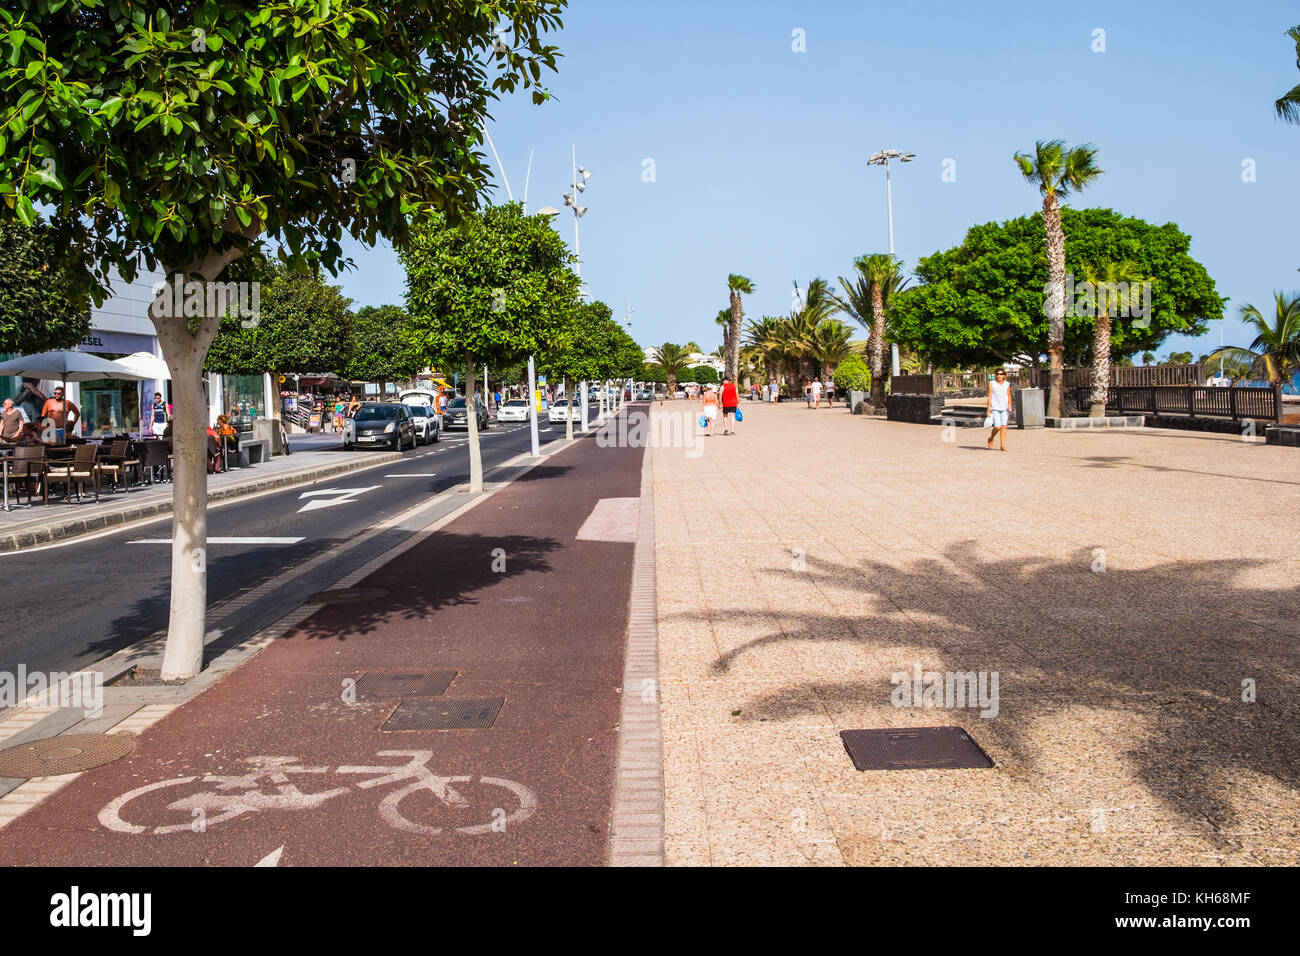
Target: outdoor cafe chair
[
  {"x": 156, "y": 459},
  {"x": 116, "y": 462},
  {"x": 27, "y": 471},
  {"x": 82, "y": 470}
]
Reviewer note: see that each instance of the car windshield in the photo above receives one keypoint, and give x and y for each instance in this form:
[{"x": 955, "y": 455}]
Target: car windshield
[
  {"x": 420, "y": 411},
  {"x": 517, "y": 403},
  {"x": 375, "y": 413},
  {"x": 456, "y": 403}
]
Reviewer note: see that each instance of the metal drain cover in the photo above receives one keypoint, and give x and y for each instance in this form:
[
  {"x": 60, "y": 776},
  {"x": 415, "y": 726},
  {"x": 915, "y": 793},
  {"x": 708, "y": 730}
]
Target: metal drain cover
[
  {"x": 70, "y": 753},
  {"x": 405, "y": 685},
  {"x": 914, "y": 748},
  {"x": 347, "y": 595},
  {"x": 442, "y": 714}
]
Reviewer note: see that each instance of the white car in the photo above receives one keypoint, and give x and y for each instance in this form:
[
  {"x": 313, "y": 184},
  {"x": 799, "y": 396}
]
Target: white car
[
  {"x": 427, "y": 424},
  {"x": 558, "y": 410},
  {"x": 513, "y": 410}
]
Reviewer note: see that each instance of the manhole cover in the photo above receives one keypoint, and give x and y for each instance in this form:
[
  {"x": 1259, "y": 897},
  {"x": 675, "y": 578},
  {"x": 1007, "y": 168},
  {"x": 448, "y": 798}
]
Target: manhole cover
[
  {"x": 347, "y": 596},
  {"x": 405, "y": 685},
  {"x": 442, "y": 714},
  {"x": 914, "y": 748},
  {"x": 70, "y": 753}
]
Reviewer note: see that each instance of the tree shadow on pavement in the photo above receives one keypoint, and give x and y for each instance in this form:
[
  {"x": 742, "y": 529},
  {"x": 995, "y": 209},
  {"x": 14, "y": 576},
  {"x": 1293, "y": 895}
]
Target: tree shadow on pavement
[
  {"x": 445, "y": 570},
  {"x": 1168, "y": 650}
]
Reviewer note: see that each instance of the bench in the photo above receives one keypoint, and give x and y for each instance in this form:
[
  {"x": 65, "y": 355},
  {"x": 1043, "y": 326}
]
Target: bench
[{"x": 254, "y": 451}]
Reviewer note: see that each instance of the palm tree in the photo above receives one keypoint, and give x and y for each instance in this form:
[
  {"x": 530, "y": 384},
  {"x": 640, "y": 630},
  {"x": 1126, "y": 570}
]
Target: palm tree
[
  {"x": 1288, "y": 107},
  {"x": 830, "y": 344},
  {"x": 673, "y": 359},
  {"x": 723, "y": 321},
  {"x": 880, "y": 274},
  {"x": 737, "y": 285},
  {"x": 764, "y": 346},
  {"x": 1113, "y": 285},
  {"x": 1275, "y": 353},
  {"x": 1057, "y": 170},
  {"x": 799, "y": 331}
]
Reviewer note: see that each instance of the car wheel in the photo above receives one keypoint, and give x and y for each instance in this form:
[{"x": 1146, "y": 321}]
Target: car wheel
[{"x": 347, "y": 446}]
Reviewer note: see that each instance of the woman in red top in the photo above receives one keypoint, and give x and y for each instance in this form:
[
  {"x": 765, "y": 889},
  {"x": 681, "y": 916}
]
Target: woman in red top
[{"x": 730, "y": 402}]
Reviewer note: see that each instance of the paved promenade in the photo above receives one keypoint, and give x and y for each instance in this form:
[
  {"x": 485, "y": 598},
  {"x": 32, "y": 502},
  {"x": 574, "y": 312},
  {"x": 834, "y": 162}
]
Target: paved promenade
[{"x": 1128, "y": 588}]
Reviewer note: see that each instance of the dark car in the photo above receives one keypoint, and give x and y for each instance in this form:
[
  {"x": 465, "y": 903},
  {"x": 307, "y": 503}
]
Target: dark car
[
  {"x": 379, "y": 424},
  {"x": 454, "y": 415}
]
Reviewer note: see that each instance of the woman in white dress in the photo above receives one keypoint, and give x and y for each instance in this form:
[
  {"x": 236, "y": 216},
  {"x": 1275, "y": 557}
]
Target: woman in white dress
[{"x": 998, "y": 407}]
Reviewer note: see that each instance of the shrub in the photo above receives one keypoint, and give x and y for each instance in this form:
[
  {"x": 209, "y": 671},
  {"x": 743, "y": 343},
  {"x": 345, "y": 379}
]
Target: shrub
[{"x": 852, "y": 375}]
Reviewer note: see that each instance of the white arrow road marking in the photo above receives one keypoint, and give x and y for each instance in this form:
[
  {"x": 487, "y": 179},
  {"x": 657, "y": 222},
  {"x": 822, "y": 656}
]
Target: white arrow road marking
[
  {"x": 344, "y": 495},
  {"x": 271, "y": 859},
  {"x": 224, "y": 541}
]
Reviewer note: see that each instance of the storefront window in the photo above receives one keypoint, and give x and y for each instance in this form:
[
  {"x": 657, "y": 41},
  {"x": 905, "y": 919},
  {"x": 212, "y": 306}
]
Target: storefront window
[
  {"x": 109, "y": 406},
  {"x": 243, "y": 397}
]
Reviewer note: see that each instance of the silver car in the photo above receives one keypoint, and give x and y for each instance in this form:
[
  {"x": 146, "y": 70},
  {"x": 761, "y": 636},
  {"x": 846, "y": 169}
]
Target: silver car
[{"x": 427, "y": 425}]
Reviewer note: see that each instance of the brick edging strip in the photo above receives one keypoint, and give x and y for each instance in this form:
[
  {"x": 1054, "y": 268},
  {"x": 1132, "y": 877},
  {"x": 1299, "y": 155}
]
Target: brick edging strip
[
  {"x": 75, "y": 527},
  {"x": 636, "y": 836}
]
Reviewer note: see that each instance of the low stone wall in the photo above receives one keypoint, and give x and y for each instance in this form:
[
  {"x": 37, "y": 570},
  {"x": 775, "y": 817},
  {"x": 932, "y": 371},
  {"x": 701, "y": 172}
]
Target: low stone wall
[
  {"x": 916, "y": 409},
  {"x": 1223, "y": 426}
]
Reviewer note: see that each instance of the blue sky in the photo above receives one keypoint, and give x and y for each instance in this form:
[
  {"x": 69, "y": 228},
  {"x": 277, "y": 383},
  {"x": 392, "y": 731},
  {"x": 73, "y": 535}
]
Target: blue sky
[{"x": 760, "y": 152}]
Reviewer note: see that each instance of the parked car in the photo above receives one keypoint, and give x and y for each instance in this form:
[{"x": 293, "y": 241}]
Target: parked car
[
  {"x": 559, "y": 409},
  {"x": 454, "y": 416},
  {"x": 645, "y": 395},
  {"x": 380, "y": 423},
  {"x": 513, "y": 410},
  {"x": 427, "y": 425}
]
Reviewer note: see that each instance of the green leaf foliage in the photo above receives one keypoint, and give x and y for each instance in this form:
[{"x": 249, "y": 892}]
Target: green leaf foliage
[
  {"x": 380, "y": 349},
  {"x": 982, "y": 303},
  {"x": 495, "y": 288},
  {"x": 44, "y": 296},
  {"x": 853, "y": 375}
]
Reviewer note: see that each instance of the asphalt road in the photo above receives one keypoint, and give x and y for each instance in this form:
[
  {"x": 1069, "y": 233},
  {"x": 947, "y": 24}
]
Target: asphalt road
[{"x": 67, "y": 607}]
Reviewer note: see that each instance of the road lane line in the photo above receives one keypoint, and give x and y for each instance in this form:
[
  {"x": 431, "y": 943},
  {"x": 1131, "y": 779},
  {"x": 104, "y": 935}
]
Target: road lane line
[{"x": 224, "y": 541}]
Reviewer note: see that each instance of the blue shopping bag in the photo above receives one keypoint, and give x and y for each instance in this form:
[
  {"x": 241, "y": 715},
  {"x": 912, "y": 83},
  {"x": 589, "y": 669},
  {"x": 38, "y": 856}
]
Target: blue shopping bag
[
  {"x": 740, "y": 417},
  {"x": 704, "y": 422}
]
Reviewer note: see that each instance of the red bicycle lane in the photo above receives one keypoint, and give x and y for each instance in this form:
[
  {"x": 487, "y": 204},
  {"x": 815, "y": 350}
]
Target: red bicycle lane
[{"x": 283, "y": 755}]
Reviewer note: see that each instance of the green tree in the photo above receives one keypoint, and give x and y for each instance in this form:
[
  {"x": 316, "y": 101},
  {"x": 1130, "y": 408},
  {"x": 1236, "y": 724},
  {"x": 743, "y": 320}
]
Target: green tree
[
  {"x": 1288, "y": 105},
  {"x": 184, "y": 135},
  {"x": 594, "y": 348},
  {"x": 831, "y": 343},
  {"x": 1274, "y": 354},
  {"x": 380, "y": 348},
  {"x": 673, "y": 360},
  {"x": 852, "y": 375},
  {"x": 1057, "y": 170},
  {"x": 737, "y": 286},
  {"x": 1148, "y": 357},
  {"x": 44, "y": 293},
  {"x": 1178, "y": 358},
  {"x": 981, "y": 303},
  {"x": 492, "y": 290},
  {"x": 705, "y": 374},
  {"x": 882, "y": 275},
  {"x": 303, "y": 326}
]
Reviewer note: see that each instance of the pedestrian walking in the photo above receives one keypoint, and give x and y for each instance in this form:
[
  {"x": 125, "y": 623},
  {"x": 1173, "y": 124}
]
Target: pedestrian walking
[
  {"x": 830, "y": 394},
  {"x": 730, "y": 403},
  {"x": 816, "y": 393},
  {"x": 710, "y": 408},
  {"x": 998, "y": 407}
]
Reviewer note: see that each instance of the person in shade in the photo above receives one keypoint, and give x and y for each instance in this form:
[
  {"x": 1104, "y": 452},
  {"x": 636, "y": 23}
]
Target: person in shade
[
  {"x": 730, "y": 402},
  {"x": 64, "y": 414}
]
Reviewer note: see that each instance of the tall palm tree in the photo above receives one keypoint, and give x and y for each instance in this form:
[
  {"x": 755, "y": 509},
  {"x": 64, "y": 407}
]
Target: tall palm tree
[
  {"x": 858, "y": 302},
  {"x": 1113, "y": 285},
  {"x": 880, "y": 272},
  {"x": 799, "y": 331},
  {"x": 1275, "y": 353},
  {"x": 830, "y": 344},
  {"x": 1057, "y": 170},
  {"x": 737, "y": 285},
  {"x": 1288, "y": 107},
  {"x": 674, "y": 360},
  {"x": 723, "y": 321}
]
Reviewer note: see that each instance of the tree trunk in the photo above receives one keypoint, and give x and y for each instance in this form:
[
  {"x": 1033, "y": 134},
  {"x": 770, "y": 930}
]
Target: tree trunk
[
  {"x": 185, "y": 352},
  {"x": 1055, "y": 301},
  {"x": 1100, "y": 366},
  {"x": 471, "y": 422},
  {"x": 732, "y": 363},
  {"x": 568, "y": 410},
  {"x": 877, "y": 347},
  {"x": 672, "y": 386}
]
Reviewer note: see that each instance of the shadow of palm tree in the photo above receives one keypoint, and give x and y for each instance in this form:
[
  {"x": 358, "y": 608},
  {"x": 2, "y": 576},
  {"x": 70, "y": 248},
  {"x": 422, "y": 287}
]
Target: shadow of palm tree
[{"x": 1172, "y": 645}]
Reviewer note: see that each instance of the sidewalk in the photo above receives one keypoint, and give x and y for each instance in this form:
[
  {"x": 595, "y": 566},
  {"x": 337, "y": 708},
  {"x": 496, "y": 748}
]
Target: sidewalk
[
  {"x": 41, "y": 524},
  {"x": 515, "y": 606},
  {"x": 1129, "y": 589}
]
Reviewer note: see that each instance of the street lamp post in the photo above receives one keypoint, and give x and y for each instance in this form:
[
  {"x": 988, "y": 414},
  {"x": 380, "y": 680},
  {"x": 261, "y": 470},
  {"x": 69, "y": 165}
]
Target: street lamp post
[
  {"x": 571, "y": 200},
  {"x": 882, "y": 158}
]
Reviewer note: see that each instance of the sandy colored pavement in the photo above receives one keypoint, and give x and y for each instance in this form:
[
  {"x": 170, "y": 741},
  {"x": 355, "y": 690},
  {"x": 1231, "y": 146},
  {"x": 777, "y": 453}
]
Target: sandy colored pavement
[{"x": 1129, "y": 588}]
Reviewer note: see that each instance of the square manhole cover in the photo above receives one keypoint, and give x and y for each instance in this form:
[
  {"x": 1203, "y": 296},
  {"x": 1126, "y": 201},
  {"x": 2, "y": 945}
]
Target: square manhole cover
[
  {"x": 433, "y": 713},
  {"x": 429, "y": 684},
  {"x": 914, "y": 748}
]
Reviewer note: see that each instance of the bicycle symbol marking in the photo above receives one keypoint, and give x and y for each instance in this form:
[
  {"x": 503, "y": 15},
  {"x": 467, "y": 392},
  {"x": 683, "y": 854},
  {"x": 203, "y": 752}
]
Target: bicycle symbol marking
[{"x": 267, "y": 787}]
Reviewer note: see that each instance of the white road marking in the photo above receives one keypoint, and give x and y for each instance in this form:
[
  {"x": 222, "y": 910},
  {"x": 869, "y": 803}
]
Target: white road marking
[
  {"x": 422, "y": 474},
  {"x": 345, "y": 495},
  {"x": 272, "y": 858},
  {"x": 223, "y": 541},
  {"x": 613, "y": 519}
]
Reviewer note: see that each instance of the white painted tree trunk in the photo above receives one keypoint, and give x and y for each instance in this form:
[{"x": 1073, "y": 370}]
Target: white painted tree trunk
[
  {"x": 568, "y": 411},
  {"x": 471, "y": 420}
]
